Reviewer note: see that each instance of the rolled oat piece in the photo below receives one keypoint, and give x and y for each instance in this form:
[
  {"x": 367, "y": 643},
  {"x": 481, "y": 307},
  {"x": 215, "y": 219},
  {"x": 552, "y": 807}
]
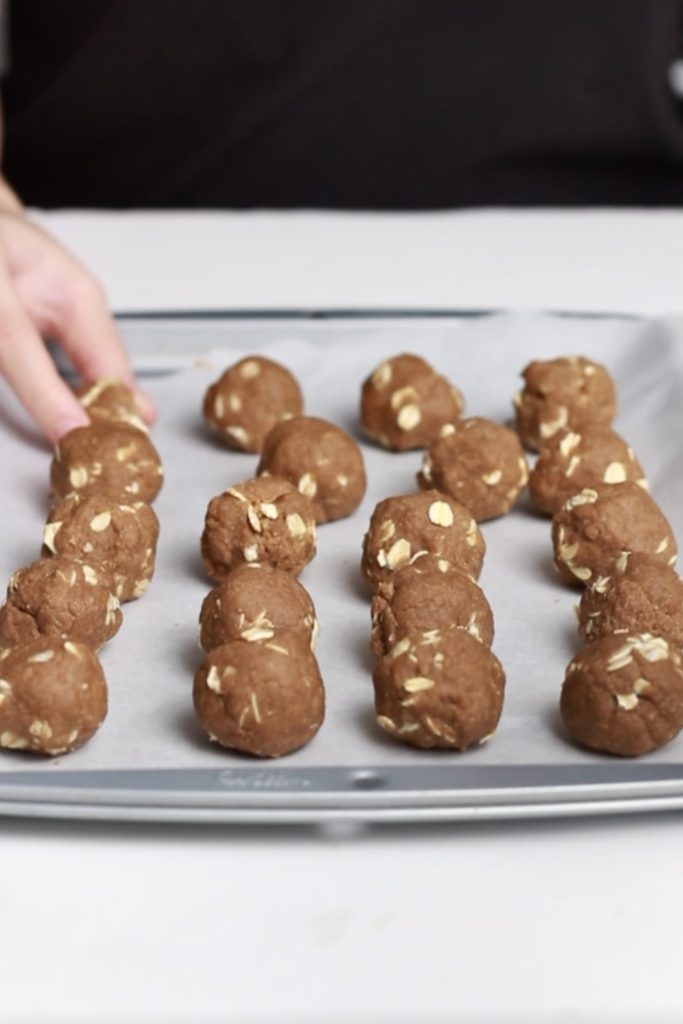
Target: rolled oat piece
[
  {"x": 405, "y": 403},
  {"x": 53, "y": 696},
  {"x": 322, "y": 461},
  {"x": 643, "y": 596},
  {"x": 109, "y": 400},
  {"x": 62, "y": 598},
  {"x": 480, "y": 464},
  {"x": 120, "y": 539},
  {"x": 572, "y": 461},
  {"x": 623, "y": 694},
  {"x": 405, "y": 527},
  {"x": 562, "y": 394},
  {"x": 254, "y": 602},
  {"x": 265, "y": 698},
  {"x": 439, "y": 689},
  {"x": 265, "y": 520},
  {"x": 596, "y": 530},
  {"x": 249, "y": 399},
  {"x": 108, "y": 457},
  {"x": 426, "y": 595}
]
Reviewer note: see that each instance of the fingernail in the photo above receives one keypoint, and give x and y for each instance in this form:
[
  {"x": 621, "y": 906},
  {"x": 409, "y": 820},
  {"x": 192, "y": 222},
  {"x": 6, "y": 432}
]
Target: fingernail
[{"x": 66, "y": 423}]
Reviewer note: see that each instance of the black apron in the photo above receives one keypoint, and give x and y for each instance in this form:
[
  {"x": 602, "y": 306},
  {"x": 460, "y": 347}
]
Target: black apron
[{"x": 343, "y": 103}]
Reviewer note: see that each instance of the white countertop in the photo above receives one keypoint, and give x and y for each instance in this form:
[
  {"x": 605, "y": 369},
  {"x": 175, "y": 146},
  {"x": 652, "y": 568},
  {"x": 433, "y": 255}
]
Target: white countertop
[{"x": 533, "y": 921}]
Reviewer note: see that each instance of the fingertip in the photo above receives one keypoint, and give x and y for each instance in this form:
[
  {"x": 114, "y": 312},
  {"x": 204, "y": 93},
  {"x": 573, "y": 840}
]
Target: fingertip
[
  {"x": 63, "y": 424},
  {"x": 146, "y": 405}
]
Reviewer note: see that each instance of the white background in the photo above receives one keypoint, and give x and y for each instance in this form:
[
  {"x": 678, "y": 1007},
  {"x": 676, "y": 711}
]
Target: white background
[{"x": 557, "y": 921}]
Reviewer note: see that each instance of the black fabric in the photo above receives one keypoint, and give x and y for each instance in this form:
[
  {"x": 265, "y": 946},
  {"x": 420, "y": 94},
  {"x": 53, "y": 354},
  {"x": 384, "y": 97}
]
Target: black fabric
[{"x": 343, "y": 103}]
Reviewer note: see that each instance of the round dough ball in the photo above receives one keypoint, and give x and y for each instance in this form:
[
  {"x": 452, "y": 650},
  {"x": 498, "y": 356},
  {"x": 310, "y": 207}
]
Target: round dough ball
[
  {"x": 623, "y": 694},
  {"x": 109, "y": 400},
  {"x": 439, "y": 689},
  {"x": 265, "y": 698},
  {"x": 107, "y": 457},
  {"x": 253, "y": 603},
  {"x": 265, "y": 520},
  {"x": 404, "y": 527},
  {"x": 405, "y": 403},
  {"x": 480, "y": 464},
  {"x": 596, "y": 529},
  {"x": 119, "y": 539},
  {"x": 428, "y": 595},
  {"x": 53, "y": 696},
  {"x": 62, "y": 598},
  {"x": 321, "y": 460},
  {"x": 570, "y": 461},
  {"x": 562, "y": 393},
  {"x": 249, "y": 399},
  {"x": 644, "y": 596}
]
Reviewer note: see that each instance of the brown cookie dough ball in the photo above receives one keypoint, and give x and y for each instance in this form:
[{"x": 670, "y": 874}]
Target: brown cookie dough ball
[
  {"x": 322, "y": 461},
  {"x": 119, "y": 539},
  {"x": 595, "y": 530},
  {"x": 107, "y": 457},
  {"x": 264, "y": 520},
  {"x": 480, "y": 464},
  {"x": 249, "y": 399},
  {"x": 439, "y": 689},
  {"x": 62, "y": 598},
  {"x": 409, "y": 525},
  {"x": 265, "y": 698},
  {"x": 427, "y": 595},
  {"x": 561, "y": 394},
  {"x": 644, "y": 596},
  {"x": 253, "y": 603},
  {"x": 405, "y": 403},
  {"x": 570, "y": 461},
  {"x": 53, "y": 696},
  {"x": 623, "y": 694},
  {"x": 109, "y": 400}
]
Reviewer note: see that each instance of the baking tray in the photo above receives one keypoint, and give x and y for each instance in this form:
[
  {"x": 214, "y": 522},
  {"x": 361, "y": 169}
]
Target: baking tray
[{"x": 150, "y": 760}]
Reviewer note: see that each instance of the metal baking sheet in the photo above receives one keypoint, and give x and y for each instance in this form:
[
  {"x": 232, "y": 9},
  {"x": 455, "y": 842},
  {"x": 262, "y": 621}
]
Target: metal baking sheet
[{"x": 151, "y": 761}]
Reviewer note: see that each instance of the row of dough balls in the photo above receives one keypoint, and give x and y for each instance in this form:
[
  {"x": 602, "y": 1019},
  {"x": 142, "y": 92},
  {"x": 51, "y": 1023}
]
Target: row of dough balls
[
  {"x": 99, "y": 547},
  {"x": 259, "y": 689},
  {"x": 623, "y": 692},
  {"x": 437, "y": 682}
]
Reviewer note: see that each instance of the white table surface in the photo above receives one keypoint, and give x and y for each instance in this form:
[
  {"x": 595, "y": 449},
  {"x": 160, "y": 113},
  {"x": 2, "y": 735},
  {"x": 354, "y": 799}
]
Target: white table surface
[{"x": 535, "y": 921}]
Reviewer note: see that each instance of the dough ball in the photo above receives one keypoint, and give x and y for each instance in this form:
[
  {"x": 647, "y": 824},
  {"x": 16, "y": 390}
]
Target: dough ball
[
  {"x": 644, "y": 596},
  {"x": 428, "y": 595},
  {"x": 570, "y": 462},
  {"x": 265, "y": 698},
  {"x": 623, "y": 694},
  {"x": 322, "y": 461},
  {"x": 120, "y": 539},
  {"x": 480, "y": 464},
  {"x": 107, "y": 457},
  {"x": 405, "y": 403},
  {"x": 439, "y": 689},
  {"x": 596, "y": 529},
  {"x": 53, "y": 696},
  {"x": 253, "y": 603},
  {"x": 404, "y": 527},
  {"x": 259, "y": 521},
  {"x": 61, "y": 598},
  {"x": 562, "y": 394},
  {"x": 109, "y": 400},
  {"x": 249, "y": 399}
]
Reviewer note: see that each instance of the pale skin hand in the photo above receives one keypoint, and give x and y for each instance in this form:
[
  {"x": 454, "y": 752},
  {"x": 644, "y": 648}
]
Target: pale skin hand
[{"x": 46, "y": 292}]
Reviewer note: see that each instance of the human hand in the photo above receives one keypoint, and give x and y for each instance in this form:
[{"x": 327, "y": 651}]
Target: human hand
[{"x": 46, "y": 292}]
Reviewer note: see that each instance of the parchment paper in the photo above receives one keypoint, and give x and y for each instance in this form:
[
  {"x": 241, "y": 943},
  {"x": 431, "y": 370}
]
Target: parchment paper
[{"x": 150, "y": 664}]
